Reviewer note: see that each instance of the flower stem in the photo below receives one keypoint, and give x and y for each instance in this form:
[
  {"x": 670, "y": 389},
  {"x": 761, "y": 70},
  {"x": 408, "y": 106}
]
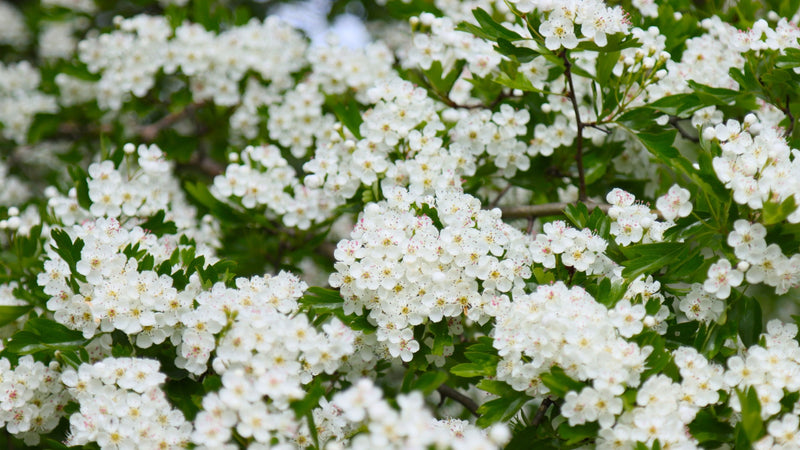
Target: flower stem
[{"x": 579, "y": 141}]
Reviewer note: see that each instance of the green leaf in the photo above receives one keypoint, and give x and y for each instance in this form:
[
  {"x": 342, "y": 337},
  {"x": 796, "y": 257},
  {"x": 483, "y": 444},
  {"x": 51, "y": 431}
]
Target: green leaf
[
  {"x": 501, "y": 409},
  {"x": 578, "y": 214},
  {"x": 469, "y": 370},
  {"x": 495, "y": 387},
  {"x": 79, "y": 177},
  {"x": 322, "y": 299},
  {"x": 560, "y": 383},
  {"x": 608, "y": 293},
  {"x": 441, "y": 337},
  {"x": 774, "y": 212},
  {"x": 493, "y": 29},
  {"x": 518, "y": 82},
  {"x": 158, "y": 226},
  {"x": 706, "y": 427},
  {"x": 605, "y": 65},
  {"x": 616, "y": 42},
  {"x": 751, "y": 421},
  {"x": 9, "y": 314},
  {"x": 790, "y": 60},
  {"x": 443, "y": 83},
  {"x": 44, "y": 335},
  {"x": 659, "y": 357},
  {"x": 521, "y": 54},
  {"x": 475, "y": 30},
  {"x": 680, "y": 105},
  {"x": 723, "y": 97},
  {"x": 348, "y": 111},
  {"x": 660, "y": 145},
  {"x": 577, "y": 433},
  {"x": 314, "y": 392},
  {"x": 429, "y": 381},
  {"x": 650, "y": 258},
  {"x": 746, "y": 312}
]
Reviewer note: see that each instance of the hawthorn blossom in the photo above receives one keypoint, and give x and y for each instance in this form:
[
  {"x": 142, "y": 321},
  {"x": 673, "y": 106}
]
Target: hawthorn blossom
[{"x": 721, "y": 277}]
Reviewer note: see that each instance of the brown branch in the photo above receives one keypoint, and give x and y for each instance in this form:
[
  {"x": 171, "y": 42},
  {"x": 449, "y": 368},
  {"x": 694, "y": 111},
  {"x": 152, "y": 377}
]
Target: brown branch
[
  {"x": 499, "y": 197},
  {"x": 444, "y": 98},
  {"x": 150, "y": 132},
  {"x": 788, "y": 111},
  {"x": 546, "y": 209},
  {"x": 447, "y": 391},
  {"x": 579, "y": 141},
  {"x": 673, "y": 120},
  {"x": 543, "y": 407},
  {"x": 147, "y": 132}
]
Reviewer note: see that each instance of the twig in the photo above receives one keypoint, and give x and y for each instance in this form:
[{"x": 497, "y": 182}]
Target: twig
[
  {"x": 444, "y": 98},
  {"x": 147, "y": 132},
  {"x": 546, "y": 209},
  {"x": 788, "y": 112},
  {"x": 579, "y": 141},
  {"x": 543, "y": 407},
  {"x": 202, "y": 163},
  {"x": 673, "y": 120},
  {"x": 447, "y": 391},
  {"x": 150, "y": 132},
  {"x": 499, "y": 197}
]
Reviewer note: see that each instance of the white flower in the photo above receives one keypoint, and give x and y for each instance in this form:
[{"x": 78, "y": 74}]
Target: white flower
[
  {"x": 675, "y": 203},
  {"x": 558, "y": 31},
  {"x": 721, "y": 277}
]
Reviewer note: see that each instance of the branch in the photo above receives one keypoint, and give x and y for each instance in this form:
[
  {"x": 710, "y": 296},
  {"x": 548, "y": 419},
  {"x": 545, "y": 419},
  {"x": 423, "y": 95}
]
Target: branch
[
  {"x": 447, "y": 391},
  {"x": 150, "y": 132},
  {"x": 537, "y": 419},
  {"x": 673, "y": 120},
  {"x": 546, "y": 209},
  {"x": 444, "y": 98},
  {"x": 788, "y": 111},
  {"x": 579, "y": 144},
  {"x": 499, "y": 196},
  {"x": 147, "y": 132}
]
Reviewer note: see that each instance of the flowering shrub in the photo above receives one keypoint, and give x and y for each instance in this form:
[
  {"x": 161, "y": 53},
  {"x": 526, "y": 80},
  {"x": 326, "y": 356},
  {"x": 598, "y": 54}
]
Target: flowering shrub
[{"x": 491, "y": 224}]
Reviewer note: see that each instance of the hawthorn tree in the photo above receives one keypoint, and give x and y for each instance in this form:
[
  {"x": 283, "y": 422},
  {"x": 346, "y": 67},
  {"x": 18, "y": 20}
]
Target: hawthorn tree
[{"x": 518, "y": 224}]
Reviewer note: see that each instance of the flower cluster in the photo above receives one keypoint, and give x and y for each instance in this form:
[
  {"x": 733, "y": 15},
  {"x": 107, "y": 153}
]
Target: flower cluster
[
  {"x": 565, "y": 327},
  {"x": 12, "y": 26},
  {"x": 32, "y": 399},
  {"x": 109, "y": 291},
  {"x": 362, "y": 406},
  {"x": 128, "y": 59},
  {"x": 582, "y": 249},
  {"x": 664, "y": 408},
  {"x": 123, "y": 406},
  {"x": 388, "y": 268},
  {"x": 296, "y": 118},
  {"x": 698, "y": 304},
  {"x": 756, "y": 163},
  {"x": 595, "y": 19},
  {"x": 264, "y": 358},
  {"x": 263, "y": 178},
  {"x": 20, "y": 100},
  {"x": 772, "y": 369},
  {"x": 634, "y": 222},
  {"x": 446, "y": 45},
  {"x": 220, "y": 306}
]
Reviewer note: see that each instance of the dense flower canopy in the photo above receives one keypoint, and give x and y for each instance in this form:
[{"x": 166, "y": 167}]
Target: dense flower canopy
[{"x": 470, "y": 224}]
